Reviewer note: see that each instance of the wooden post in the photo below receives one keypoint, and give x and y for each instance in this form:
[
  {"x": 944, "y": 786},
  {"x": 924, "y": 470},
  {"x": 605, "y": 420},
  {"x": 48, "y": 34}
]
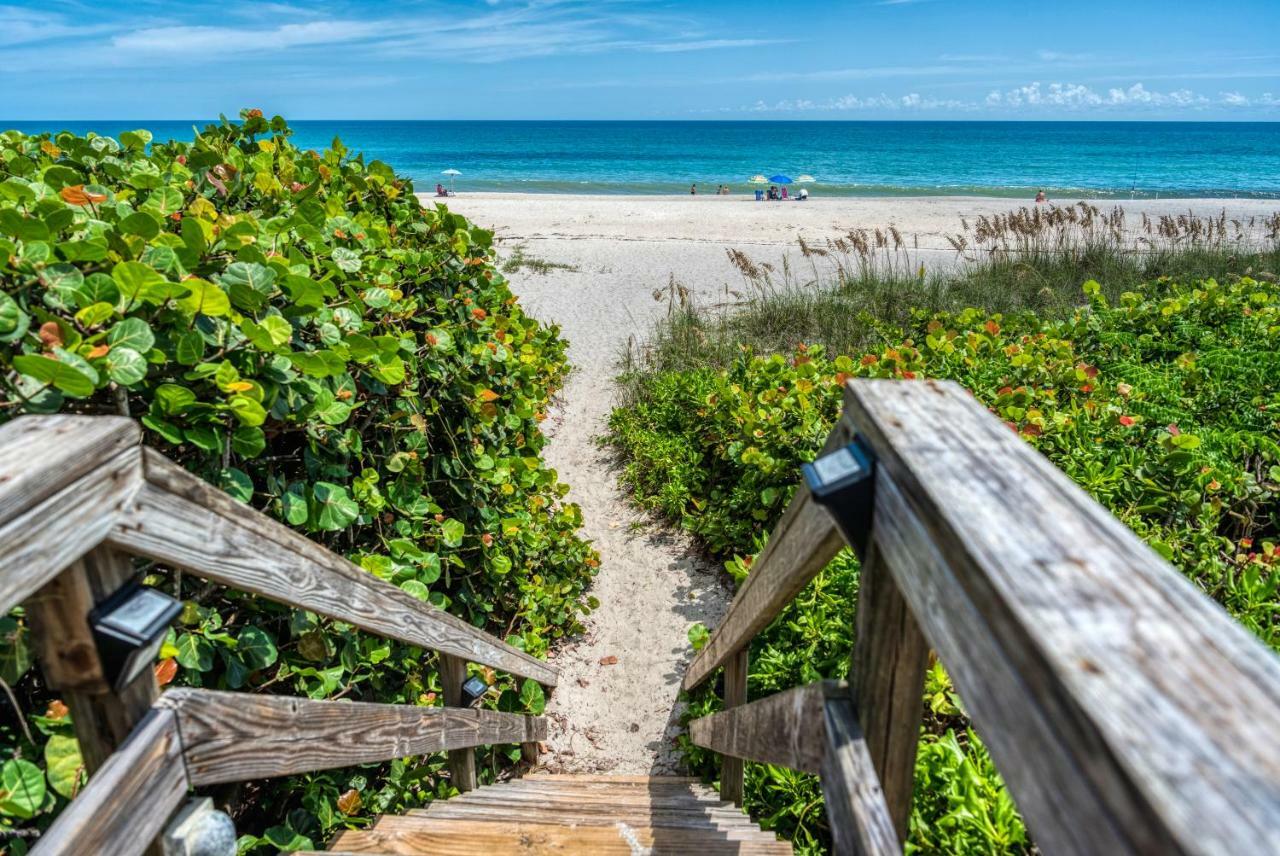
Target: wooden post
[
  {"x": 59, "y": 615},
  {"x": 529, "y": 751},
  {"x": 462, "y": 762},
  {"x": 732, "y": 775},
  {"x": 890, "y": 656}
]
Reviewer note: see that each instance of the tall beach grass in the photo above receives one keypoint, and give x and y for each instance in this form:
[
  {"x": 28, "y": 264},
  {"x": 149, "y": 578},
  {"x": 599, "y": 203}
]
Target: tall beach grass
[{"x": 842, "y": 293}]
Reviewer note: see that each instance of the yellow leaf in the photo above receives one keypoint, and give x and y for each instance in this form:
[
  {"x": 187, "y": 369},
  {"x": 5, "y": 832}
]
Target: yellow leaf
[{"x": 349, "y": 802}]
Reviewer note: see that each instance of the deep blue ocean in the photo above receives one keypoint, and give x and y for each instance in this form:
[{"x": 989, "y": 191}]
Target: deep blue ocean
[{"x": 1097, "y": 159}]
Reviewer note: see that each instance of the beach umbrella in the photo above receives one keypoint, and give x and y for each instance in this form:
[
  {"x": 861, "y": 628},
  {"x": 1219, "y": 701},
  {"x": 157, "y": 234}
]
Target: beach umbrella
[
  {"x": 805, "y": 179},
  {"x": 451, "y": 173},
  {"x": 757, "y": 179},
  {"x": 779, "y": 179}
]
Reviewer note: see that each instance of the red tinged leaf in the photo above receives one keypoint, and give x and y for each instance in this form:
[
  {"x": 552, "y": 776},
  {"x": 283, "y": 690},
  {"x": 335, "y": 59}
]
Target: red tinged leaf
[
  {"x": 56, "y": 710},
  {"x": 1174, "y": 429},
  {"x": 1127, "y": 421},
  {"x": 75, "y": 194},
  {"x": 51, "y": 335},
  {"x": 98, "y": 351},
  {"x": 488, "y": 395},
  {"x": 992, "y": 327},
  {"x": 479, "y": 314},
  {"x": 166, "y": 671},
  {"x": 349, "y": 802}
]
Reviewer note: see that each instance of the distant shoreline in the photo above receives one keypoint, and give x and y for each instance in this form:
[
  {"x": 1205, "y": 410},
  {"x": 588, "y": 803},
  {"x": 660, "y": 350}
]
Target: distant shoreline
[
  {"x": 817, "y": 191},
  {"x": 615, "y": 222}
]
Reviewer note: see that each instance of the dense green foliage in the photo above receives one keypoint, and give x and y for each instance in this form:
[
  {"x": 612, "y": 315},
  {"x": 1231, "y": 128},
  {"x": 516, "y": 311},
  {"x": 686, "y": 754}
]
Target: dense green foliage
[
  {"x": 296, "y": 328},
  {"x": 1163, "y": 403}
]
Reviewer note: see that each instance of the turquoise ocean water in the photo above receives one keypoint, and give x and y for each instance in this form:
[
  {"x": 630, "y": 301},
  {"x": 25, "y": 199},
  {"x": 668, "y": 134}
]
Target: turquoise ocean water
[{"x": 1094, "y": 159}]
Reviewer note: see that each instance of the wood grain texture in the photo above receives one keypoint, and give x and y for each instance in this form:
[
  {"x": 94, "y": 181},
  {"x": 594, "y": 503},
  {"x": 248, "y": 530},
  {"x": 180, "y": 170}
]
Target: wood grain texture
[
  {"x": 41, "y": 455},
  {"x": 802, "y": 544},
  {"x": 128, "y": 801},
  {"x": 890, "y": 656},
  {"x": 179, "y": 519},
  {"x": 732, "y": 772},
  {"x": 784, "y": 728},
  {"x": 103, "y": 717},
  {"x": 1126, "y": 711},
  {"x": 47, "y": 535},
  {"x": 232, "y": 737},
  {"x": 462, "y": 762},
  {"x": 856, "y": 809}
]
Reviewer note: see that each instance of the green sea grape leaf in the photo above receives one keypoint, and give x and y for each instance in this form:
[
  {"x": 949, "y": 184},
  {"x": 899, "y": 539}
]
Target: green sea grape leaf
[
  {"x": 248, "y": 411},
  {"x": 194, "y": 652},
  {"x": 132, "y": 333},
  {"x": 55, "y": 373},
  {"x": 64, "y": 765},
  {"x": 347, "y": 260},
  {"x": 205, "y": 298},
  {"x": 64, "y": 283},
  {"x": 24, "y": 788},
  {"x": 173, "y": 399},
  {"x": 126, "y": 366},
  {"x": 532, "y": 697},
  {"x": 190, "y": 348},
  {"x": 236, "y": 483},
  {"x": 452, "y": 531},
  {"x": 248, "y": 442},
  {"x": 256, "y": 647},
  {"x": 142, "y": 224},
  {"x": 333, "y": 508}
]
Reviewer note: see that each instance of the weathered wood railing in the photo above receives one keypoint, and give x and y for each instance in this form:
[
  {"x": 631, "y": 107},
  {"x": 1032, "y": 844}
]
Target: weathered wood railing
[
  {"x": 1126, "y": 711},
  {"x": 79, "y": 497}
]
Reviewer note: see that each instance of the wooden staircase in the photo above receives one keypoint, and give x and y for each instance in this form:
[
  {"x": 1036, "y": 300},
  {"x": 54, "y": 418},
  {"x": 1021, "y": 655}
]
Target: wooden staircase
[{"x": 571, "y": 814}]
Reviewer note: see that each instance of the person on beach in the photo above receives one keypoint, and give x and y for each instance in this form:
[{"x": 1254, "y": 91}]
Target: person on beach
[
  {"x": 693, "y": 190},
  {"x": 440, "y": 191},
  {"x": 802, "y": 194},
  {"x": 1041, "y": 197}
]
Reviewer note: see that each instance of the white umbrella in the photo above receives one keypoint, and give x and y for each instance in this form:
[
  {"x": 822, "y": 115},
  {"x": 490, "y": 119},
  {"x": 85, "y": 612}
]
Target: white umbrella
[
  {"x": 451, "y": 173},
  {"x": 805, "y": 179}
]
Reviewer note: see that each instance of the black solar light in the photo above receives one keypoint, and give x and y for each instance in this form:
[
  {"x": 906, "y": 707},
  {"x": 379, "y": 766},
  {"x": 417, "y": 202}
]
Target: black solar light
[
  {"x": 473, "y": 690},
  {"x": 128, "y": 628},
  {"x": 843, "y": 482}
]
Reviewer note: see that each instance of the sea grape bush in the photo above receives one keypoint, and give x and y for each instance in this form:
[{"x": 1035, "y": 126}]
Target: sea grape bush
[
  {"x": 1164, "y": 405},
  {"x": 297, "y": 329}
]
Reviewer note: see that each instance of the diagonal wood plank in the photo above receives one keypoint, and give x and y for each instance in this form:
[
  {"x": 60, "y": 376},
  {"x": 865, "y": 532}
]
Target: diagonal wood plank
[
  {"x": 178, "y": 518},
  {"x": 232, "y": 737},
  {"x": 1127, "y": 712}
]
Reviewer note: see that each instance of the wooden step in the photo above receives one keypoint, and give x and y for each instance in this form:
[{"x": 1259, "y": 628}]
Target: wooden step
[
  {"x": 744, "y": 831},
  {"x": 491, "y": 838},
  {"x": 562, "y": 814}
]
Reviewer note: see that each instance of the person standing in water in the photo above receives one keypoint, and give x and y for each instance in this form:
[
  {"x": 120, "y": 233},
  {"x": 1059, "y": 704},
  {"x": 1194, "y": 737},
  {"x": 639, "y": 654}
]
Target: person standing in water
[
  {"x": 1041, "y": 197},
  {"x": 693, "y": 190}
]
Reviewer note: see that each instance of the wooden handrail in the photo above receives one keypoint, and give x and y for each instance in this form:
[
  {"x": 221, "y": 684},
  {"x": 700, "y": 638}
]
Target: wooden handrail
[
  {"x": 57, "y": 501},
  {"x": 129, "y": 800},
  {"x": 1127, "y": 712},
  {"x": 79, "y": 496},
  {"x": 192, "y": 738}
]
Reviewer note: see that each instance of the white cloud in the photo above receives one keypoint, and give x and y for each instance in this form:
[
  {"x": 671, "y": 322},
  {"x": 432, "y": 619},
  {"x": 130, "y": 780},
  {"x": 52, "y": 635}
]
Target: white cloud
[
  {"x": 1059, "y": 56},
  {"x": 223, "y": 40},
  {"x": 1029, "y": 98}
]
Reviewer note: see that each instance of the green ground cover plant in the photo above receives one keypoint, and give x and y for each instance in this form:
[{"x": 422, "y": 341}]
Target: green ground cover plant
[
  {"x": 296, "y": 328},
  {"x": 1162, "y": 400}
]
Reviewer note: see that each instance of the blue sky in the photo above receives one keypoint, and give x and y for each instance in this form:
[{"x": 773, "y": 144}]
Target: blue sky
[{"x": 618, "y": 59}]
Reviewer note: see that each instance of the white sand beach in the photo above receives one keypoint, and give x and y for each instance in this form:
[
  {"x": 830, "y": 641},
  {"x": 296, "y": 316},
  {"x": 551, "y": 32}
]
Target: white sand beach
[{"x": 617, "y": 251}]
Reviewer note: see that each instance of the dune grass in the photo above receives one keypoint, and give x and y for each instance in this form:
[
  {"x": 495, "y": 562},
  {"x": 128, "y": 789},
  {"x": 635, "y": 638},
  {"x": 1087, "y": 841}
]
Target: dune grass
[{"x": 846, "y": 293}]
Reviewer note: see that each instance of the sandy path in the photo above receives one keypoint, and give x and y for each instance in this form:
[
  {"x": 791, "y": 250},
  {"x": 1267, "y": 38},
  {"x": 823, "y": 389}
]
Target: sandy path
[
  {"x": 619, "y": 718},
  {"x": 623, "y": 718}
]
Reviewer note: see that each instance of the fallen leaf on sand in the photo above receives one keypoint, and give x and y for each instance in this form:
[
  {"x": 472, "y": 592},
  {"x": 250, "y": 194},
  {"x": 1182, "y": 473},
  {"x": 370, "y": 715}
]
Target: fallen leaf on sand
[
  {"x": 608, "y": 661},
  {"x": 583, "y": 682}
]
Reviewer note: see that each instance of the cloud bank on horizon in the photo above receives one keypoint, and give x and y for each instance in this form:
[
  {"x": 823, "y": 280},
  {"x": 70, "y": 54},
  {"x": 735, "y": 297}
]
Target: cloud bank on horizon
[{"x": 617, "y": 59}]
